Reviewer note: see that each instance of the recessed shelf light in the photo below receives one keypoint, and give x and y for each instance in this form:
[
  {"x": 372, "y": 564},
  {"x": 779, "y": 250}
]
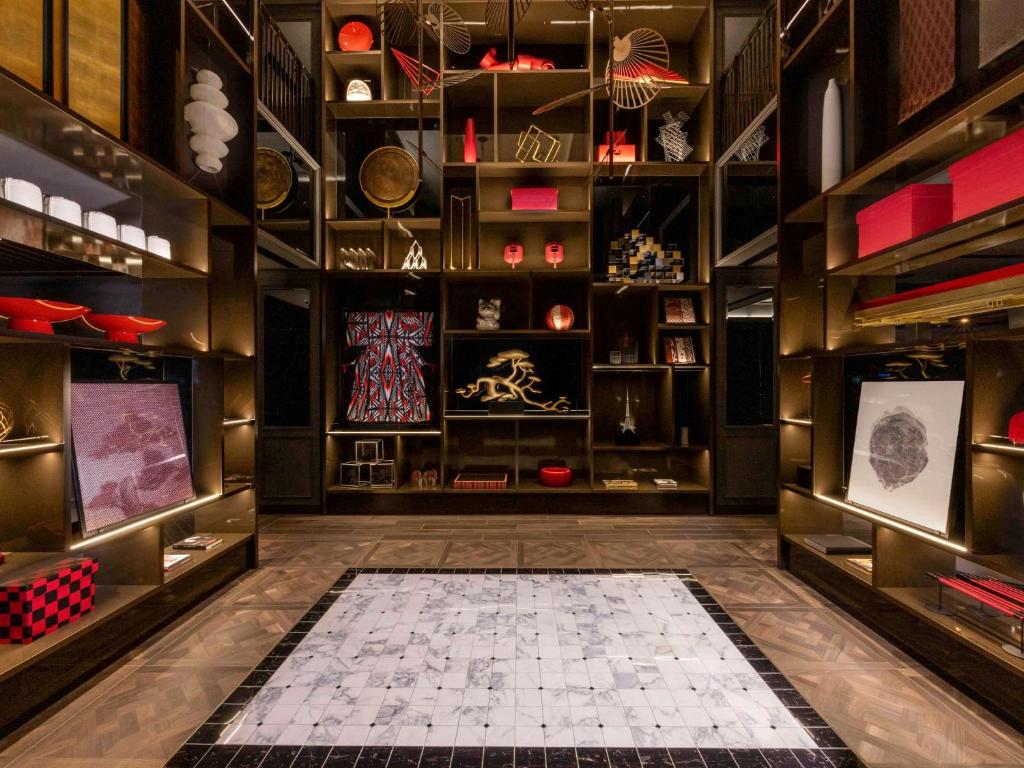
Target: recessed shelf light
[
  {"x": 146, "y": 521},
  {"x": 889, "y": 522}
]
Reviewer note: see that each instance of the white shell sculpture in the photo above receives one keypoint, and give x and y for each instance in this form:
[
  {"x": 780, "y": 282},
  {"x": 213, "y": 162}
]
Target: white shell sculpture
[{"x": 212, "y": 125}]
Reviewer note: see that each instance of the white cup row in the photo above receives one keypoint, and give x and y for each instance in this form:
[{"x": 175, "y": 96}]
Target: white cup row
[{"x": 29, "y": 195}]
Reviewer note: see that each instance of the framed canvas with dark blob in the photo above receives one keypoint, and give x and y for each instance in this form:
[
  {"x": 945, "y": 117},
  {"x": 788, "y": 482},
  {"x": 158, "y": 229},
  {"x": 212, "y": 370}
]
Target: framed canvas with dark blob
[{"x": 904, "y": 450}]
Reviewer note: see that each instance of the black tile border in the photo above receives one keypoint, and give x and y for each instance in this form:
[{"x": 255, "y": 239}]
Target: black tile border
[{"x": 200, "y": 751}]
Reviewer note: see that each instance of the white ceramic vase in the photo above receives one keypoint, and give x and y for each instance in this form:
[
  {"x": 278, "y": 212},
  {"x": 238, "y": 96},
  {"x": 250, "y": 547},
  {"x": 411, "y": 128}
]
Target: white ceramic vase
[{"x": 831, "y": 137}]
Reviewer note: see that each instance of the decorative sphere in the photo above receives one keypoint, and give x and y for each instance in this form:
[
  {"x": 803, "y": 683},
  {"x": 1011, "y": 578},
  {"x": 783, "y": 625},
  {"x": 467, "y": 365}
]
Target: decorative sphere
[
  {"x": 355, "y": 36},
  {"x": 560, "y": 318}
]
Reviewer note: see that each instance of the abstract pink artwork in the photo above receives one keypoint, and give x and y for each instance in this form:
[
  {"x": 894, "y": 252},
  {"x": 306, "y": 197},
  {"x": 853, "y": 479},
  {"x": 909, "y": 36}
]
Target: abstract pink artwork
[{"x": 130, "y": 450}]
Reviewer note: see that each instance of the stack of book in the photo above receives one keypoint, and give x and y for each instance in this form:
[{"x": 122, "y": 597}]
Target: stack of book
[
  {"x": 173, "y": 561},
  {"x": 665, "y": 483},
  {"x": 199, "y": 541},
  {"x": 620, "y": 485}
]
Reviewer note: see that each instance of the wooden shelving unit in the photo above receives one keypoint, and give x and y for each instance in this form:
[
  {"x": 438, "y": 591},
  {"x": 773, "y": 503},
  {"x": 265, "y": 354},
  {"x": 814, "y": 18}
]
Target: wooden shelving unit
[
  {"x": 501, "y": 103},
  {"x": 144, "y": 175},
  {"x": 826, "y": 348}
]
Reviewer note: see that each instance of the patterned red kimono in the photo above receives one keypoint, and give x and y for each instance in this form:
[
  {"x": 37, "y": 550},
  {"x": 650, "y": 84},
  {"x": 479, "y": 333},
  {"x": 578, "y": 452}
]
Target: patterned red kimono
[{"x": 388, "y": 384}]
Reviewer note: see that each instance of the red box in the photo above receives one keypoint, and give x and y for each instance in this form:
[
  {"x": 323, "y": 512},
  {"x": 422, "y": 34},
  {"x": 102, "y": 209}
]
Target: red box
[
  {"x": 623, "y": 152},
  {"x": 37, "y": 601},
  {"x": 990, "y": 177},
  {"x": 535, "y": 198},
  {"x": 903, "y": 215}
]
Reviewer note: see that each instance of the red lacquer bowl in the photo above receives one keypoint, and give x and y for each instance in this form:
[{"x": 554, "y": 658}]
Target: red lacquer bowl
[
  {"x": 124, "y": 328},
  {"x": 36, "y": 315},
  {"x": 355, "y": 36},
  {"x": 555, "y": 477}
]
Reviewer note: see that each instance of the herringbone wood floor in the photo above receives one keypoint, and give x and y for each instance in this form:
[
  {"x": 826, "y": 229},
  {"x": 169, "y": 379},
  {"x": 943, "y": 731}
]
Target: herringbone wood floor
[{"x": 886, "y": 707}]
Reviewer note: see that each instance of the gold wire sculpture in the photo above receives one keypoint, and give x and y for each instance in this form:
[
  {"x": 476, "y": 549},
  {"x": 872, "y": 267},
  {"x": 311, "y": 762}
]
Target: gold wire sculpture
[
  {"x": 536, "y": 146},
  {"x": 398, "y": 23},
  {"x": 517, "y": 385}
]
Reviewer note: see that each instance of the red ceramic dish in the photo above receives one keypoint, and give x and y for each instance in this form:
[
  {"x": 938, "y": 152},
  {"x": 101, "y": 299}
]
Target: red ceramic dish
[
  {"x": 555, "y": 477},
  {"x": 36, "y": 315},
  {"x": 355, "y": 36},
  {"x": 125, "y": 328}
]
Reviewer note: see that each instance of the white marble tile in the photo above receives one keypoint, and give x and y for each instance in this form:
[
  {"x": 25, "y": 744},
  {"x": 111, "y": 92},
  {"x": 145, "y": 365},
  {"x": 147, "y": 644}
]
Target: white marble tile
[{"x": 468, "y": 660}]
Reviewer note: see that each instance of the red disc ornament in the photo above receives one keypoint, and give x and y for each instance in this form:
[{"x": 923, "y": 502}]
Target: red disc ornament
[
  {"x": 514, "y": 254},
  {"x": 355, "y": 36},
  {"x": 560, "y": 318}
]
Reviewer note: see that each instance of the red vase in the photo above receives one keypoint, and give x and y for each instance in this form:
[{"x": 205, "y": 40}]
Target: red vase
[{"x": 469, "y": 142}]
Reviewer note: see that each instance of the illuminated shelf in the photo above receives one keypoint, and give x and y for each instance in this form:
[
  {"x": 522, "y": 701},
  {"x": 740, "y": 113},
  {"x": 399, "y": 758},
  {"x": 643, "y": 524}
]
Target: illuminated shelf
[
  {"x": 888, "y": 522},
  {"x": 1003, "y": 445},
  {"x": 371, "y": 432},
  {"x": 839, "y": 561}
]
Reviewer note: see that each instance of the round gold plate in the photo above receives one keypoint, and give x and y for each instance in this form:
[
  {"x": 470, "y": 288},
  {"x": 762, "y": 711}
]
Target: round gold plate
[
  {"x": 274, "y": 178},
  {"x": 389, "y": 177}
]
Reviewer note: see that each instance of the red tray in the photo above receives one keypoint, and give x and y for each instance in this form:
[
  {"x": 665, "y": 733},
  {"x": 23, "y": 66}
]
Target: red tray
[
  {"x": 990, "y": 177},
  {"x": 903, "y": 215}
]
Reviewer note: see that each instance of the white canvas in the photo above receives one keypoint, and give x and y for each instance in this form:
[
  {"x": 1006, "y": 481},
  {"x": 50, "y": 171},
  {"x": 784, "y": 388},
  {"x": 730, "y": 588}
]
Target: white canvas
[{"x": 905, "y": 450}]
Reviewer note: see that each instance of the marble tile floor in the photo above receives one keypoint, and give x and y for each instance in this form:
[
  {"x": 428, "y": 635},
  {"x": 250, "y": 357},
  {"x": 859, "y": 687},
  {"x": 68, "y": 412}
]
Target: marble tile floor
[{"x": 884, "y": 706}]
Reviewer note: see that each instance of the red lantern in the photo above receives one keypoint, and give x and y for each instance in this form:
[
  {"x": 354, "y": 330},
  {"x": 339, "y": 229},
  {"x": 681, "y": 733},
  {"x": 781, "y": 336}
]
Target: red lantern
[
  {"x": 355, "y": 36},
  {"x": 553, "y": 254},
  {"x": 514, "y": 254},
  {"x": 560, "y": 318}
]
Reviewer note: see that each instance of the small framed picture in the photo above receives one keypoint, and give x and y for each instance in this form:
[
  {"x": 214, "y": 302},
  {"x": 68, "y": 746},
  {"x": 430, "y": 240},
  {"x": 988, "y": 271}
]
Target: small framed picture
[{"x": 369, "y": 450}]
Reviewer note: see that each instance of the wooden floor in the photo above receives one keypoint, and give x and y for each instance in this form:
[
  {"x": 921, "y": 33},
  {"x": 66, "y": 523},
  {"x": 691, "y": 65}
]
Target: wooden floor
[{"x": 886, "y": 707}]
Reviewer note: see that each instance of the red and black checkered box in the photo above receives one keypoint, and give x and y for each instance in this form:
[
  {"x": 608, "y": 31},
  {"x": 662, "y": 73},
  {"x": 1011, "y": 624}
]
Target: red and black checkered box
[{"x": 36, "y": 602}]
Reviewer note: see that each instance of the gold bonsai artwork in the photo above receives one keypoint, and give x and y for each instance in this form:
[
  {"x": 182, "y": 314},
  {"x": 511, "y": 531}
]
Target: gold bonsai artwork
[{"x": 518, "y": 383}]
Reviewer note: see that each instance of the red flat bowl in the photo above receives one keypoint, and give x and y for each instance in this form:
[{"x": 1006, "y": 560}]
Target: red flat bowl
[
  {"x": 124, "y": 328},
  {"x": 555, "y": 477},
  {"x": 36, "y": 315}
]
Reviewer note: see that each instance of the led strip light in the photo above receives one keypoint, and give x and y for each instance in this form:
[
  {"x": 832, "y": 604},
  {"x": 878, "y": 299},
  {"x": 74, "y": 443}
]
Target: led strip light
[
  {"x": 146, "y": 521},
  {"x": 890, "y": 522}
]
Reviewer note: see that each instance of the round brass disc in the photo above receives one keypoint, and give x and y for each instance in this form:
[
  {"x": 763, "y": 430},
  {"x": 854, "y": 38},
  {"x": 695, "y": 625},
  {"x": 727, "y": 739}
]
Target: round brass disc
[
  {"x": 389, "y": 177},
  {"x": 274, "y": 178}
]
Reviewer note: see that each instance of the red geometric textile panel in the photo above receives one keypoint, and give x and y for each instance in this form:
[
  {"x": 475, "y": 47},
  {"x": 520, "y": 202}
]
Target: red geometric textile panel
[
  {"x": 927, "y": 52},
  {"x": 388, "y": 386},
  {"x": 38, "y": 602}
]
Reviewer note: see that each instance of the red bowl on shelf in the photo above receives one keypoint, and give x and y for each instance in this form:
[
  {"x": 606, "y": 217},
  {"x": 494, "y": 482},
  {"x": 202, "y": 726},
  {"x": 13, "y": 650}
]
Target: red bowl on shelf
[
  {"x": 124, "y": 328},
  {"x": 555, "y": 477},
  {"x": 37, "y": 315}
]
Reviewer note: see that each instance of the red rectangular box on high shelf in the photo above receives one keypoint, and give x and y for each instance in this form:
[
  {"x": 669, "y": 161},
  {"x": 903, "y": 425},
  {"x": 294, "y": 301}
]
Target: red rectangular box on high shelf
[
  {"x": 36, "y": 601},
  {"x": 990, "y": 177},
  {"x": 902, "y": 216},
  {"x": 535, "y": 198}
]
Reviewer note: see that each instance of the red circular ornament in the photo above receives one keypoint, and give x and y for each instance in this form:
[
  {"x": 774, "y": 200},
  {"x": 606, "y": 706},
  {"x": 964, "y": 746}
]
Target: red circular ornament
[
  {"x": 123, "y": 328},
  {"x": 355, "y": 36},
  {"x": 37, "y": 315},
  {"x": 560, "y": 318}
]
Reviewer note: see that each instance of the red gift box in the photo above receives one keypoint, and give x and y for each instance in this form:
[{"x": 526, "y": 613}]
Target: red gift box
[
  {"x": 35, "y": 602},
  {"x": 903, "y": 215},
  {"x": 535, "y": 198},
  {"x": 988, "y": 178}
]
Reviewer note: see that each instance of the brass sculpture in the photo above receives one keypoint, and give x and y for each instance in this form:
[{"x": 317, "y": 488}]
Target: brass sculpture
[{"x": 517, "y": 384}]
